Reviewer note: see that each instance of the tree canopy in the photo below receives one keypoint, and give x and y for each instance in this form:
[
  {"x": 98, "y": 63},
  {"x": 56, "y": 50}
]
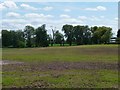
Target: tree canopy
[{"x": 79, "y": 35}]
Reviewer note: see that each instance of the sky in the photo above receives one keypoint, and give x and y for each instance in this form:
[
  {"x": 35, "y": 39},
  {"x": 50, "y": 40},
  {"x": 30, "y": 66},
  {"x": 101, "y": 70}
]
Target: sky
[{"x": 16, "y": 15}]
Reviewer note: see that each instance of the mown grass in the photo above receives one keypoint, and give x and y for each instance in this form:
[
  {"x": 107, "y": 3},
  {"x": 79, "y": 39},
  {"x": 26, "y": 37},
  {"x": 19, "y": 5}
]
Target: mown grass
[
  {"x": 72, "y": 78},
  {"x": 104, "y": 53}
]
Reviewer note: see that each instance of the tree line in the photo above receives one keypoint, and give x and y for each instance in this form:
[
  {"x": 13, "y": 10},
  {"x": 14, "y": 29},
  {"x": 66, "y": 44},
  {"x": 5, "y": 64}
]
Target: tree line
[{"x": 79, "y": 35}]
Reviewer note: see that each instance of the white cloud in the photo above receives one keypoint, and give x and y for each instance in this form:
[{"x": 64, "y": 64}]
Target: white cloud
[
  {"x": 48, "y": 8},
  {"x": 2, "y": 6},
  {"x": 28, "y": 7},
  {"x": 8, "y": 4},
  {"x": 49, "y": 16},
  {"x": 101, "y": 8},
  {"x": 35, "y": 15},
  {"x": 13, "y": 23},
  {"x": 64, "y": 16},
  {"x": 82, "y": 17},
  {"x": 116, "y": 18},
  {"x": 98, "y": 8},
  {"x": 71, "y": 21},
  {"x": 13, "y": 15},
  {"x": 67, "y": 10}
]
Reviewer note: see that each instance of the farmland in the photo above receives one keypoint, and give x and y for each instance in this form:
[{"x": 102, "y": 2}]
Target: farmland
[{"x": 85, "y": 66}]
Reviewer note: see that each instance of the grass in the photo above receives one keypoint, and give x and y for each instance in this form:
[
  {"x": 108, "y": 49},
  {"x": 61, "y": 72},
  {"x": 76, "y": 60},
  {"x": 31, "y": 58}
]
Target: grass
[
  {"x": 104, "y": 53},
  {"x": 25, "y": 76},
  {"x": 63, "y": 79}
]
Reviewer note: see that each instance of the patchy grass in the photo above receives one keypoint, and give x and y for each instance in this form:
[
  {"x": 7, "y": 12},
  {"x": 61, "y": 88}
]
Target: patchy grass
[
  {"x": 62, "y": 79},
  {"x": 103, "y": 53},
  {"x": 29, "y": 75}
]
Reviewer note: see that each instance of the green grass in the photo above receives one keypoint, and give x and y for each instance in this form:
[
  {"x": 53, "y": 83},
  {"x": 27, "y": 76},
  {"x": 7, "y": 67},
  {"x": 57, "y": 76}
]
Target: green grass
[
  {"x": 21, "y": 76},
  {"x": 65, "y": 79},
  {"x": 75, "y": 53}
]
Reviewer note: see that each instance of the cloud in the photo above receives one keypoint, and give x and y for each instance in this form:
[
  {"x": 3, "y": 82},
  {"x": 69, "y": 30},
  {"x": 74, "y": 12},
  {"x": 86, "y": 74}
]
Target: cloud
[
  {"x": 82, "y": 17},
  {"x": 67, "y": 10},
  {"x": 38, "y": 16},
  {"x": 116, "y": 18},
  {"x": 13, "y": 15},
  {"x": 71, "y": 21},
  {"x": 13, "y": 23},
  {"x": 64, "y": 16},
  {"x": 47, "y": 8},
  {"x": 8, "y": 4},
  {"x": 98, "y": 8},
  {"x": 28, "y": 7},
  {"x": 2, "y": 6}
]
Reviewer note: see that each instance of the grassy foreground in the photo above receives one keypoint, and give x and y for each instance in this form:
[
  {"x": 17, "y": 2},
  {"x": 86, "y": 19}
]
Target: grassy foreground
[{"x": 30, "y": 75}]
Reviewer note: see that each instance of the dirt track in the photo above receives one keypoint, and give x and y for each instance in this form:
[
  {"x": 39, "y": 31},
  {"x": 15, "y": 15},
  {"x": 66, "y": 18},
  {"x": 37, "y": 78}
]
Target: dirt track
[{"x": 58, "y": 66}]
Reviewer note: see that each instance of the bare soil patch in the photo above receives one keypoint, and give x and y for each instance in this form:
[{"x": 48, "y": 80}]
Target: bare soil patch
[
  {"x": 74, "y": 65},
  {"x": 14, "y": 65},
  {"x": 6, "y": 62}
]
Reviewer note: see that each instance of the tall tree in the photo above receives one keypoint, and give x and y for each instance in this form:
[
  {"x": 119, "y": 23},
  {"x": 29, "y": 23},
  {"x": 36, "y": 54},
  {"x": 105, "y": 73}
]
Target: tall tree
[
  {"x": 20, "y": 38},
  {"x": 95, "y": 34},
  {"x": 78, "y": 34},
  {"x": 68, "y": 30},
  {"x": 58, "y": 38},
  {"x": 118, "y": 36},
  {"x": 5, "y": 38},
  {"x": 41, "y": 37},
  {"x": 82, "y": 35},
  {"x": 102, "y": 35},
  {"x": 87, "y": 35},
  {"x": 29, "y": 34},
  {"x": 118, "y": 33}
]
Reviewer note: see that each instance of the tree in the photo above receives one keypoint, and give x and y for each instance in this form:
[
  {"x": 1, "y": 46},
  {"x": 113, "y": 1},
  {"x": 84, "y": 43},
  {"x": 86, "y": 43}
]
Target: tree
[
  {"x": 5, "y": 38},
  {"x": 95, "y": 35},
  {"x": 68, "y": 30},
  {"x": 118, "y": 36},
  {"x": 82, "y": 34},
  {"x": 101, "y": 35},
  {"x": 12, "y": 38},
  {"x": 41, "y": 37},
  {"x": 58, "y": 37},
  {"x": 86, "y": 35},
  {"x": 118, "y": 33},
  {"x": 20, "y": 38},
  {"x": 105, "y": 38},
  {"x": 78, "y": 34},
  {"x": 29, "y": 35}
]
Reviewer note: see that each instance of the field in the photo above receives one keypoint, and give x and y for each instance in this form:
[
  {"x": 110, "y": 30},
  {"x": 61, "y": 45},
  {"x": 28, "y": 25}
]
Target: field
[{"x": 85, "y": 66}]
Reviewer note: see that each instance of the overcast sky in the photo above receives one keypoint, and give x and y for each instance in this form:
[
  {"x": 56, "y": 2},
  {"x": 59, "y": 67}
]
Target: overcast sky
[{"x": 16, "y": 15}]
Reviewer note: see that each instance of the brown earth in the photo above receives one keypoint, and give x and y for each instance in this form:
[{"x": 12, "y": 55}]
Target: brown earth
[{"x": 14, "y": 65}]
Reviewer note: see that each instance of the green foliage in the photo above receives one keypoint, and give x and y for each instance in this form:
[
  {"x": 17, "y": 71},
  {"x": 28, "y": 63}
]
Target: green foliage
[
  {"x": 59, "y": 38},
  {"x": 118, "y": 33},
  {"x": 29, "y": 34},
  {"x": 77, "y": 35},
  {"x": 101, "y": 34},
  {"x": 41, "y": 37},
  {"x": 12, "y": 38},
  {"x": 68, "y": 30}
]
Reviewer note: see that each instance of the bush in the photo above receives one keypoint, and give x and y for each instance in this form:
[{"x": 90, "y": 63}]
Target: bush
[{"x": 21, "y": 44}]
